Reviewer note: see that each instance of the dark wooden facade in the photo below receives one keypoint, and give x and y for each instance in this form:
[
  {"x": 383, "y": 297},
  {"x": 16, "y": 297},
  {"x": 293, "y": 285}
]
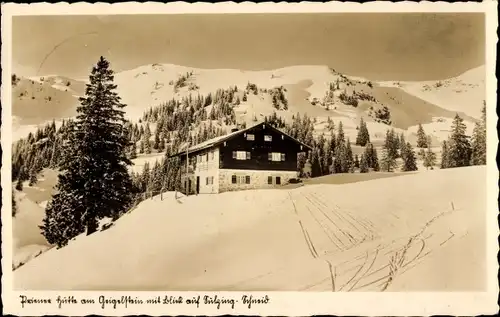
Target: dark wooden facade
[
  {"x": 261, "y": 145},
  {"x": 260, "y": 142}
]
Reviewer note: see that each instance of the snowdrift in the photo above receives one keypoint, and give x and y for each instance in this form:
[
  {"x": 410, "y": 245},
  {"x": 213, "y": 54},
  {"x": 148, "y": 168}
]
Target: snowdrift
[
  {"x": 369, "y": 236},
  {"x": 28, "y": 242}
]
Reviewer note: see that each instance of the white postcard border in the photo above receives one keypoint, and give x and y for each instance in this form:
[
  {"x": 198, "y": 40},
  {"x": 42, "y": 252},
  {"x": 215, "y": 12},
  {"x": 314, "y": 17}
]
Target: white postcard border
[{"x": 280, "y": 303}]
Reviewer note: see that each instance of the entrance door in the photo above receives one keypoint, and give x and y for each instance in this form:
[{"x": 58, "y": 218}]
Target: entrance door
[{"x": 197, "y": 184}]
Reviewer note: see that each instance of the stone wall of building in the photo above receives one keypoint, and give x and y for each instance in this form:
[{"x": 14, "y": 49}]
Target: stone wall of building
[{"x": 258, "y": 179}]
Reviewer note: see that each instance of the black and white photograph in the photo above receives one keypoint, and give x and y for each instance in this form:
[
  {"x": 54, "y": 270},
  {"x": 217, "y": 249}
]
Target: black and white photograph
[{"x": 311, "y": 152}]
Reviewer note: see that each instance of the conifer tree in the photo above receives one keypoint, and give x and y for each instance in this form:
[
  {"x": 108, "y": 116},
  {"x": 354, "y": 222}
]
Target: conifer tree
[
  {"x": 33, "y": 178},
  {"x": 458, "y": 145},
  {"x": 375, "y": 164},
  {"x": 388, "y": 163},
  {"x": 340, "y": 134},
  {"x": 478, "y": 156},
  {"x": 156, "y": 142},
  {"x": 19, "y": 184},
  {"x": 349, "y": 160},
  {"x": 421, "y": 137},
  {"x": 94, "y": 182},
  {"x": 410, "y": 161},
  {"x": 390, "y": 152},
  {"x": 161, "y": 146},
  {"x": 133, "y": 151},
  {"x": 363, "y": 164},
  {"x": 141, "y": 147},
  {"x": 315, "y": 163},
  {"x": 363, "y": 136},
  {"x": 445, "y": 156},
  {"x": 327, "y": 158},
  {"x": 147, "y": 142},
  {"x": 429, "y": 158},
  {"x": 391, "y": 143},
  {"x": 356, "y": 161}
]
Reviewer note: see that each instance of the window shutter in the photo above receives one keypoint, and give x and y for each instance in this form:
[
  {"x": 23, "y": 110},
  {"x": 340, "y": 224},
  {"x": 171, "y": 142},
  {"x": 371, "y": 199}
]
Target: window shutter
[
  {"x": 247, "y": 179},
  {"x": 270, "y": 156},
  {"x": 248, "y": 155},
  {"x": 233, "y": 179},
  {"x": 282, "y": 156},
  {"x": 235, "y": 154}
]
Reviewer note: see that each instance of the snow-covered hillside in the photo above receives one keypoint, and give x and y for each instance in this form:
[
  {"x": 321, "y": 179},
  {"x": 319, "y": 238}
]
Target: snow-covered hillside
[
  {"x": 464, "y": 93},
  {"x": 38, "y": 100},
  {"x": 313, "y": 238}
]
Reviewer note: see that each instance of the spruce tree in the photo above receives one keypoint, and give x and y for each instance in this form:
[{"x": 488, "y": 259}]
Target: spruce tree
[
  {"x": 375, "y": 164},
  {"x": 147, "y": 142},
  {"x": 478, "y": 156},
  {"x": 363, "y": 164},
  {"x": 141, "y": 147},
  {"x": 421, "y": 137},
  {"x": 388, "y": 163},
  {"x": 315, "y": 163},
  {"x": 429, "y": 158},
  {"x": 356, "y": 161},
  {"x": 133, "y": 151},
  {"x": 19, "y": 184},
  {"x": 459, "y": 145},
  {"x": 349, "y": 160},
  {"x": 445, "y": 156},
  {"x": 410, "y": 161},
  {"x": 363, "y": 136},
  {"x": 391, "y": 143},
  {"x": 156, "y": 143},
  {"x": 33, "y": 178},
  {"x": 390, "y": 152},
  {"x": 94, "y": 182}
]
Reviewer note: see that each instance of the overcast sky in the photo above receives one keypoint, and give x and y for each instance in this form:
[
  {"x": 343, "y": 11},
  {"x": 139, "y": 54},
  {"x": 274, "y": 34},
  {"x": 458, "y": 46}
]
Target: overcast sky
[{"x": 377, "y": 46}]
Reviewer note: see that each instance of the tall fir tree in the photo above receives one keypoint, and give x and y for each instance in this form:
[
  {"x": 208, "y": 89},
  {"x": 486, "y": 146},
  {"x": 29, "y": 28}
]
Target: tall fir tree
[
  {"x": 459, "y": 145},
  {"x": 410, "y": 161},
  {"x": 147, "y": 141},
  {"x": 445, "y": 155},
  {"x": 133, "y": 151},
  {"x": 349, "y": 160},
  {"x": 94, "y": 182},
  {"x": 363, "y": 136},
  {"x": 363, "y": 164},
  {"x": 429, "y": 158},
  {"x": 421, "y": 137},
  {"x": 478, "y": 156},
  {"x": 388, "y": 162},
  {"x": 391, "y": 143}
]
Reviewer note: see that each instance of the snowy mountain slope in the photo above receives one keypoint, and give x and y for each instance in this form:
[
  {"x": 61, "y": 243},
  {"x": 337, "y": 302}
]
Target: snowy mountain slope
[
  {"x": 284, "y": 240},
  {"x": 153, "y": 84},
  {"x": 305, "y": 90},
  {"x": 464, "y": 93},
  {"x": 43, "y": 99}
]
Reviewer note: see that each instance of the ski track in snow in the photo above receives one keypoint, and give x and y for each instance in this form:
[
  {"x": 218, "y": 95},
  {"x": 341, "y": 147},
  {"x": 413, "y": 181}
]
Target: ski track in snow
[{"x": 324, "y": 236}]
